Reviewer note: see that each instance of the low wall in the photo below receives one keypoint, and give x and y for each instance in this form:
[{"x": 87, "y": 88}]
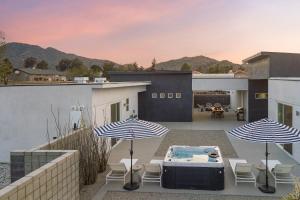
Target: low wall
[
  {"x": 57, "y": 178},
  {"x": 24, "y": 162}
]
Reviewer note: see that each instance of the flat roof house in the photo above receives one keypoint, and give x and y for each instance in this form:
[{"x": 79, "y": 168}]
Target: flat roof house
[
  {"x": 28, "y": 111},
  {"x": 261, "y": 67},
  {"x": 168, "y": 98},
  {"x": 284, "y": 106},
  {"x": 27, "y": 74}
]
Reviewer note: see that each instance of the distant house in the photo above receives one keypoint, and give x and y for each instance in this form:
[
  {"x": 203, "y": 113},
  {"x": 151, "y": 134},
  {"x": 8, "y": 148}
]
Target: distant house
[
  {"x": 27, "y": 74},
  {"x": 240, "y": 74}
]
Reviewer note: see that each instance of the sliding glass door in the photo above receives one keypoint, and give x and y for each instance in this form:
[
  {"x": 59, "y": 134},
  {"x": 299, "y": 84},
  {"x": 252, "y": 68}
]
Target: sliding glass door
[
  {"x": 114, "y": 117},
  {"x": 285, "y": 116}
]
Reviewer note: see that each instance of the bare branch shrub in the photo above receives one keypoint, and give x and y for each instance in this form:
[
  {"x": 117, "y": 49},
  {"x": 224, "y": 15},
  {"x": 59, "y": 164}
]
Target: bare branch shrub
[{"x": 94, "y": 151}]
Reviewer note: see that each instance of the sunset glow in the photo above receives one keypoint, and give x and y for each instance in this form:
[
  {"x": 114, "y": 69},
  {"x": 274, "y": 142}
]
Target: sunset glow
[{"x": 129, "y": 31}]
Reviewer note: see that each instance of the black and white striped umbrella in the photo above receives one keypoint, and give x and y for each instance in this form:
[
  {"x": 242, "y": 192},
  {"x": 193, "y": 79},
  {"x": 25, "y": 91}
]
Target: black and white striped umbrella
[
  {"x": 131, "y": 129},
  {"x": 267, "y": 130}
]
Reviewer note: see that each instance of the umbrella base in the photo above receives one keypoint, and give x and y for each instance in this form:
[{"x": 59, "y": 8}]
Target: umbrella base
[
  {"x": 265, "y": 189},
  {"x": 130, "y": 187}
]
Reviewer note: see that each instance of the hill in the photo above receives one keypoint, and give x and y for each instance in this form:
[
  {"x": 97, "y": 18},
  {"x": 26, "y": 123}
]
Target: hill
[
  {"x": 200, "y": 63},
  {"x": 18, "y": 52}
]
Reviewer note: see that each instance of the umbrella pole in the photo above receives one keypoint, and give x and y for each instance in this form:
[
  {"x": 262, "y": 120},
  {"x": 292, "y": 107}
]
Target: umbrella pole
[
  {"x": 267, "y": 168},
  {"x": 131, "y": 153},
  {"x": 266, "y": 188},
  {"x": 131, "y": 185}
]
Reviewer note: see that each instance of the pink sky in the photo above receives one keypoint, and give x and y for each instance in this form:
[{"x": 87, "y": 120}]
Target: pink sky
[{"x": 137, "y": 31}]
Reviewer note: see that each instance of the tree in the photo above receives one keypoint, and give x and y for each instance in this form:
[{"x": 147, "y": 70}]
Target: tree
[
  {"x": 95, "y": 68},
  {"x": 153, "y": 64},
  {"x": 42, "y": 65},
  {"x": 77, "y": 68},
  {"x": 78, "y": 71},
  {"x": 64, "y": 64},
  {"x": 76, "y": 63},
  {"x": 2, "y": 44},
  {"x": 30, "y": 62},
  {"x": 6, "y": 69},
  {"x": 95, "y": 71},
  {"x": 132, "y": 67},
  {"x": 186, "y": 67},
  {"x": 106, "y": 68}
]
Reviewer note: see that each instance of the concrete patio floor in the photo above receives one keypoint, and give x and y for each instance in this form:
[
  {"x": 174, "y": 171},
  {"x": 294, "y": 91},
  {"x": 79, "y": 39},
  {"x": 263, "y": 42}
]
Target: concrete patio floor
[{"x": 145, "y": 149}]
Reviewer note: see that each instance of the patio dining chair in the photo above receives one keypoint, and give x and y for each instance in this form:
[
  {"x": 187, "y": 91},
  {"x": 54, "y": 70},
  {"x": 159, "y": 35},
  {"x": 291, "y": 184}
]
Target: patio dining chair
[
  {"x": 152, "y": 173},
  {"x": 208, "y": 106},
  {"x": 283, "y": 174},
  {"x": 242, "y": 171}
]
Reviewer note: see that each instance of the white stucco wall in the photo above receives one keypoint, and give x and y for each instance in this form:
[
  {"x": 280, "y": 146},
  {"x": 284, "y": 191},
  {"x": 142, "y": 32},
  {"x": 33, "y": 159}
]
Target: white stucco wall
[
  {"x": 103, "y": 98},
  {"x": 208, "y": 84},
  {"x": 285, "y": 91},
  {"x": 26, "y": 109},
  {"x": 244, "y": 96},
  {"x": 237, "y": 98}
]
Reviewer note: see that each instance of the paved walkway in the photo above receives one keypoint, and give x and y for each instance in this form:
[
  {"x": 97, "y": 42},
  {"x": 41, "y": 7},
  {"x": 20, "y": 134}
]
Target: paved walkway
[{"x": 145, "y": 149}]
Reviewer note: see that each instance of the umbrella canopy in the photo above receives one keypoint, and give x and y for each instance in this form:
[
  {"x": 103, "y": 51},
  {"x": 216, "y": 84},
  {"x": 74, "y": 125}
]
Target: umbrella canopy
[
  {"x": 267, "y": 131},
  {"x": 131, "y": 129}
]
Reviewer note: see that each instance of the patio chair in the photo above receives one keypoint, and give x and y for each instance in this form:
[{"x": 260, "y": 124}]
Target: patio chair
[
  {"x": 283, "y": 174},
  {"x": 118, "y": 172},
  {"x": 217, "y": 105},
  {"x": 208, "y": 106},
  {"x": 242, "y": 171},
  {"x": 152, "y": 173},
  {"x": 200, "y": 108}
]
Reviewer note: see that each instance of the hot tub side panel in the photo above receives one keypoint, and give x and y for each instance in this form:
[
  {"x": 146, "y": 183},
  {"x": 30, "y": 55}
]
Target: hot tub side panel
[{"x": 204, "y": 178}]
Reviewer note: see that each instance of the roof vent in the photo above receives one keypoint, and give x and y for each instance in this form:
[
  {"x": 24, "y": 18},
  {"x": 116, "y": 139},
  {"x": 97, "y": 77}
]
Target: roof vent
[
  {"x": 100, "y": 80},
  {"x": 81, "y": 80}
]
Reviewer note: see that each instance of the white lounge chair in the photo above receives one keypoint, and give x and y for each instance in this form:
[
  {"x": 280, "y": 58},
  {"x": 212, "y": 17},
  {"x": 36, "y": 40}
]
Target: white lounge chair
[
  {"x": 119, "y": 170},
  {"x": 242, "y": 171},
  {"x": 271, "y": 164},
  {"x": 283, "y": 174},
  {"x": 152, "y": 173}
]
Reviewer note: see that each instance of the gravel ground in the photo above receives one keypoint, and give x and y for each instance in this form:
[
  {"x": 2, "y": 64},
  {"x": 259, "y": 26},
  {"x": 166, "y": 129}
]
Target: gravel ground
[
  {"x": 111, "y": 195},
  {"x": 197, "y": 138},
  {"x": 4, "y": 174}
]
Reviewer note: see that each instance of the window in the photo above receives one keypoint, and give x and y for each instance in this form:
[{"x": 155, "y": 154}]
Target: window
[
  {"x": 178, "y": 95},
  {"x": 261, "y": 95},
  {"x": 127, "y": 104},
  {"x": 162, "y": 95},
  {"x": 154, "y": 95},
  {"x": 170, "y": 95}
]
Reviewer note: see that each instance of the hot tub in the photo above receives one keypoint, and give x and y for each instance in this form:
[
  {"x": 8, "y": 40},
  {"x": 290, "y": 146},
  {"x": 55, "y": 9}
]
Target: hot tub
[{"x": 193, "y": 167}]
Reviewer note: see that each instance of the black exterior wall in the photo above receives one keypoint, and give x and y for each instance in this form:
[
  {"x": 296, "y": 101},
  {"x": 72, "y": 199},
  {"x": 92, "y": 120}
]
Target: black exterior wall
[
  {"x": 166, "y": 109},
  {"x": 258, "y": 108},
  {"x": 284, "y": 65}
]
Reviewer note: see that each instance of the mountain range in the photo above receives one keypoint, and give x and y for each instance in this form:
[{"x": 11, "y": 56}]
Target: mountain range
[
  {"x": 199, "y": 63},
  {"x": 18, "y": 52}
]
